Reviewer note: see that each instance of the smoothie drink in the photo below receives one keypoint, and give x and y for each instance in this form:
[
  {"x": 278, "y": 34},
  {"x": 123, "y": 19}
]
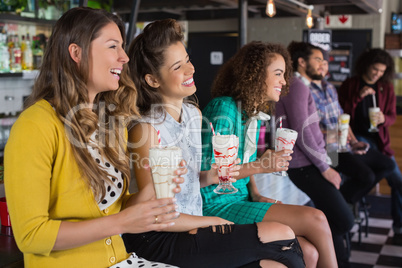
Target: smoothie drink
[
  {"x": 225, "y": 152},
  {"x": 344, "y": 129},
  {"x": 285, "y": 139},
  {"x": 373, "y": 111},
  {"x": 163, "y": 162}
]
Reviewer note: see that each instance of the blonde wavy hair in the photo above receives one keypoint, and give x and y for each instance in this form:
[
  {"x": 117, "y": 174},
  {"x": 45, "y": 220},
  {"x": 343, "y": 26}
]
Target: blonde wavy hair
[{"x": 64, "y": 84}]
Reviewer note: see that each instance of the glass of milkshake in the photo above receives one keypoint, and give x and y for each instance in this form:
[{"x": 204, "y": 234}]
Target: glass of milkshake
[
  {"x": 343, "y": 123},
  {"x": 285, "y": 138},
  {"x": 373, "y": 112},
  {"x": 163, "y": 162},
  {"x": 225, "y": 151}
]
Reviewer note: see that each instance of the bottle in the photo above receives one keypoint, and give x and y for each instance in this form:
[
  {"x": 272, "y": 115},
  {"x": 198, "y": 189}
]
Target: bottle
[
  {"x": 4, "y": 54},
  {"x": 16, "y": 56},
  {"x": 27, "y": 56},
  {"x": 23, "y": 46},
  {"x": 37, "y": 53},
  {"x": 10, "y": 44}
]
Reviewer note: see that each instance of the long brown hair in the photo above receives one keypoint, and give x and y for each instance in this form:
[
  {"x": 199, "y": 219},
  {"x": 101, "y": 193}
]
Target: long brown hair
[
  {"x": 243, "y": 76},
  {"x": 146, "y": 53},
  {"x": 64, "y": 84}
]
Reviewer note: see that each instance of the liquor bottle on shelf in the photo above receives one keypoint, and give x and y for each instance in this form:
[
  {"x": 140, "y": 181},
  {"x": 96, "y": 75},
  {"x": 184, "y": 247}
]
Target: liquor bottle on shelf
[
  {"x": 27, "y": 56},
  {"x": 37, "y": 53},
  {"x": 4, "y": 54},
  {"x": 16, "y": 56},
  {"x": 10, "y": 44}
]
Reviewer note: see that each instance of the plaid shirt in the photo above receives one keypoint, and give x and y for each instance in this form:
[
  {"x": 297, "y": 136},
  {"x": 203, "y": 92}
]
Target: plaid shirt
[
  {"x": 226, "y": 118},
  {"x": 326, "y": 100}
]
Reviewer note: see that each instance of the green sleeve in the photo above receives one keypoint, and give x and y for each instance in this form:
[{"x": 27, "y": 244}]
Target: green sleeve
[{"x": 225, "y": 117}]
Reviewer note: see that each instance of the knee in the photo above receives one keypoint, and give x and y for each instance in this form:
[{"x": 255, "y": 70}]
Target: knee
[
  {"x": 319, "y": 218},
  {"x": 273, "y": 231},
  {"x": 310, "y": 255},
  {"x": 367, "y": 177}
]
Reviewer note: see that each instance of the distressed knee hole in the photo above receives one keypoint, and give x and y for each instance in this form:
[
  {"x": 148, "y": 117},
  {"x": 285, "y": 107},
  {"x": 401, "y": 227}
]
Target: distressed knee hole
[{"x": 222, "y": 229}]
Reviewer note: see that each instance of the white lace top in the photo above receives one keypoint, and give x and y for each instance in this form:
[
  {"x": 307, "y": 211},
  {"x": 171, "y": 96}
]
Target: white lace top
[{"x": 187, "y": 136}]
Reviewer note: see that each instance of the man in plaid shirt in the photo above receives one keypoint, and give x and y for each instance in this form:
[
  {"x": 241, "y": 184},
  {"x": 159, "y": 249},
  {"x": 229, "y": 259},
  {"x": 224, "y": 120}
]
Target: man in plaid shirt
[{"x": 362, "y": 166}]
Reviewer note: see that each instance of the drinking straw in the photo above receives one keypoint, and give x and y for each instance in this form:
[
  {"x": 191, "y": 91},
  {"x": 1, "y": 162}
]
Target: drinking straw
[
  {"x": 159, "y": 138},
  {"x": 212, "y": 128},
  {"x": 280, "y": 122},
  {"x": 374, "y": 102}
]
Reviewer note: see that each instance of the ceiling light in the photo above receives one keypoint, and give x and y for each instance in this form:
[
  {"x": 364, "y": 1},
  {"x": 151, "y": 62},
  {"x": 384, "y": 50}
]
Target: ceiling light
[
  {"x": 309, "y": 18},
  {"x": 271, "y": 10}
]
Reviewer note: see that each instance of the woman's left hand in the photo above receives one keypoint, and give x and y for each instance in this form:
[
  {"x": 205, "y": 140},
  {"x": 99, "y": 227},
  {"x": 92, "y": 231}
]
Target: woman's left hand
[
  {"x": 233, "y": 172},
  {"x": 263, "y": 199},
  {"x": 380, "y": 118}
]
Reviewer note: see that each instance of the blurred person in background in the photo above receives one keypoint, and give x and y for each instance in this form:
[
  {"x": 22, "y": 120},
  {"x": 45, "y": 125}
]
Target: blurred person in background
[
  {"x": 310, "y": 168},
  {"x": 372, "y": 86}
]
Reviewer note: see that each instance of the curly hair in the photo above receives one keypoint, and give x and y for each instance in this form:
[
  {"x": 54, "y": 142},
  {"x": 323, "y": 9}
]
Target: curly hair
[
  {"x": 64, "y": 84},
  {"x": 243, "y": 76},
  {"x": 373, "y": 56},
  {"x": 147, "y": 55}
]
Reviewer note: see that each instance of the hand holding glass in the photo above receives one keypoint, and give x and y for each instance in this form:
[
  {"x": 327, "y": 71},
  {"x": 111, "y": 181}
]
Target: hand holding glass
[
  {"x": 225, "y": 151},
  {"x": 164, "y": 161},
  {"x": 285, "y": 139},
  {"x": 373, "y": 115}
]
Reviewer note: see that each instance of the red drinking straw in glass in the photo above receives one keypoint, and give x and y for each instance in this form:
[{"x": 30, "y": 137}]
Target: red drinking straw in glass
[
  {"x": 280, "y": 122},
  {"x": 159, "y": 138},
  {"x": 212, "y": 128}
]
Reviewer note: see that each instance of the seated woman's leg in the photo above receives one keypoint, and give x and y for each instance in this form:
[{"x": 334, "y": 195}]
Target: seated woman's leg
[
  {"x": 311, "y": 224},
  {"x": 220, "y": 246},
  {"x": 331, "y": 202},
  {"x": 310, "y": 252}
]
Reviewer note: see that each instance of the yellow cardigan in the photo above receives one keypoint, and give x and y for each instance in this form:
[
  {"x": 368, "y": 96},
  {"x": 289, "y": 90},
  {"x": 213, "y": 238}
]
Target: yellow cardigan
[{"x": 43, "y": 187}]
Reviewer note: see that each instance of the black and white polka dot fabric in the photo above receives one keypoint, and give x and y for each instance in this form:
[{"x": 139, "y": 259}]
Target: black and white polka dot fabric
[
  {"x": 135, "y": 261},
  {"x": 114, "y": 190}
]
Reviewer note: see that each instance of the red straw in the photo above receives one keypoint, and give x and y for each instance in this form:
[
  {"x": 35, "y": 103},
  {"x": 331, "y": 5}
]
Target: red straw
[
  {"x": 159, "y": 137},
  {"x": 280, "y": 122},
  {"x": 212, "y": 128}
]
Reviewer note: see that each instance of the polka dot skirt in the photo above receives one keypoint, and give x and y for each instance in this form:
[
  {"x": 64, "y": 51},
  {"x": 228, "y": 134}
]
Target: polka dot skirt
[
  {"x": 135, "y": 261},
  {"x": 113, "y": 190}
]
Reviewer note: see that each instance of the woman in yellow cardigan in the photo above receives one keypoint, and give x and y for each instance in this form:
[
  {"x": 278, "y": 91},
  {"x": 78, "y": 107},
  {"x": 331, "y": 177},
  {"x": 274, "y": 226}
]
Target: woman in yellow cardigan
[{"x": 66, "y": 167}]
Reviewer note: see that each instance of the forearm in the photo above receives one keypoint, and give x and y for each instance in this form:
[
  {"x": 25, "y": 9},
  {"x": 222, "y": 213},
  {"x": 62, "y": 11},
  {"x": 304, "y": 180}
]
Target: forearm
[
  {"x": 145, "y": 194},
  {"x": 186, "y": 222},
  {"x": 204, "y": 178},
  {"x": 250, "y": 169},
  {"x": 76, "y": 234}
]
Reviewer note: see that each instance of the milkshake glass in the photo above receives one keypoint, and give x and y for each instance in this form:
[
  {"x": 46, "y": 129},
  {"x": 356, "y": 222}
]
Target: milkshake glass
[
  {"x": 285, "y": 138},
  {"x": 343, "y": 122},
  {"x": 225, "y": 151},
  {"x": 373, "y": 111},
  {"x": 163, "y": 162}
]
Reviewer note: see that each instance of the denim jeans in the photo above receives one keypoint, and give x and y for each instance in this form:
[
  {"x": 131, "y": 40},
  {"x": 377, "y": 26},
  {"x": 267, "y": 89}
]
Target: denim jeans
[{"x": 395, "y": 182}]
